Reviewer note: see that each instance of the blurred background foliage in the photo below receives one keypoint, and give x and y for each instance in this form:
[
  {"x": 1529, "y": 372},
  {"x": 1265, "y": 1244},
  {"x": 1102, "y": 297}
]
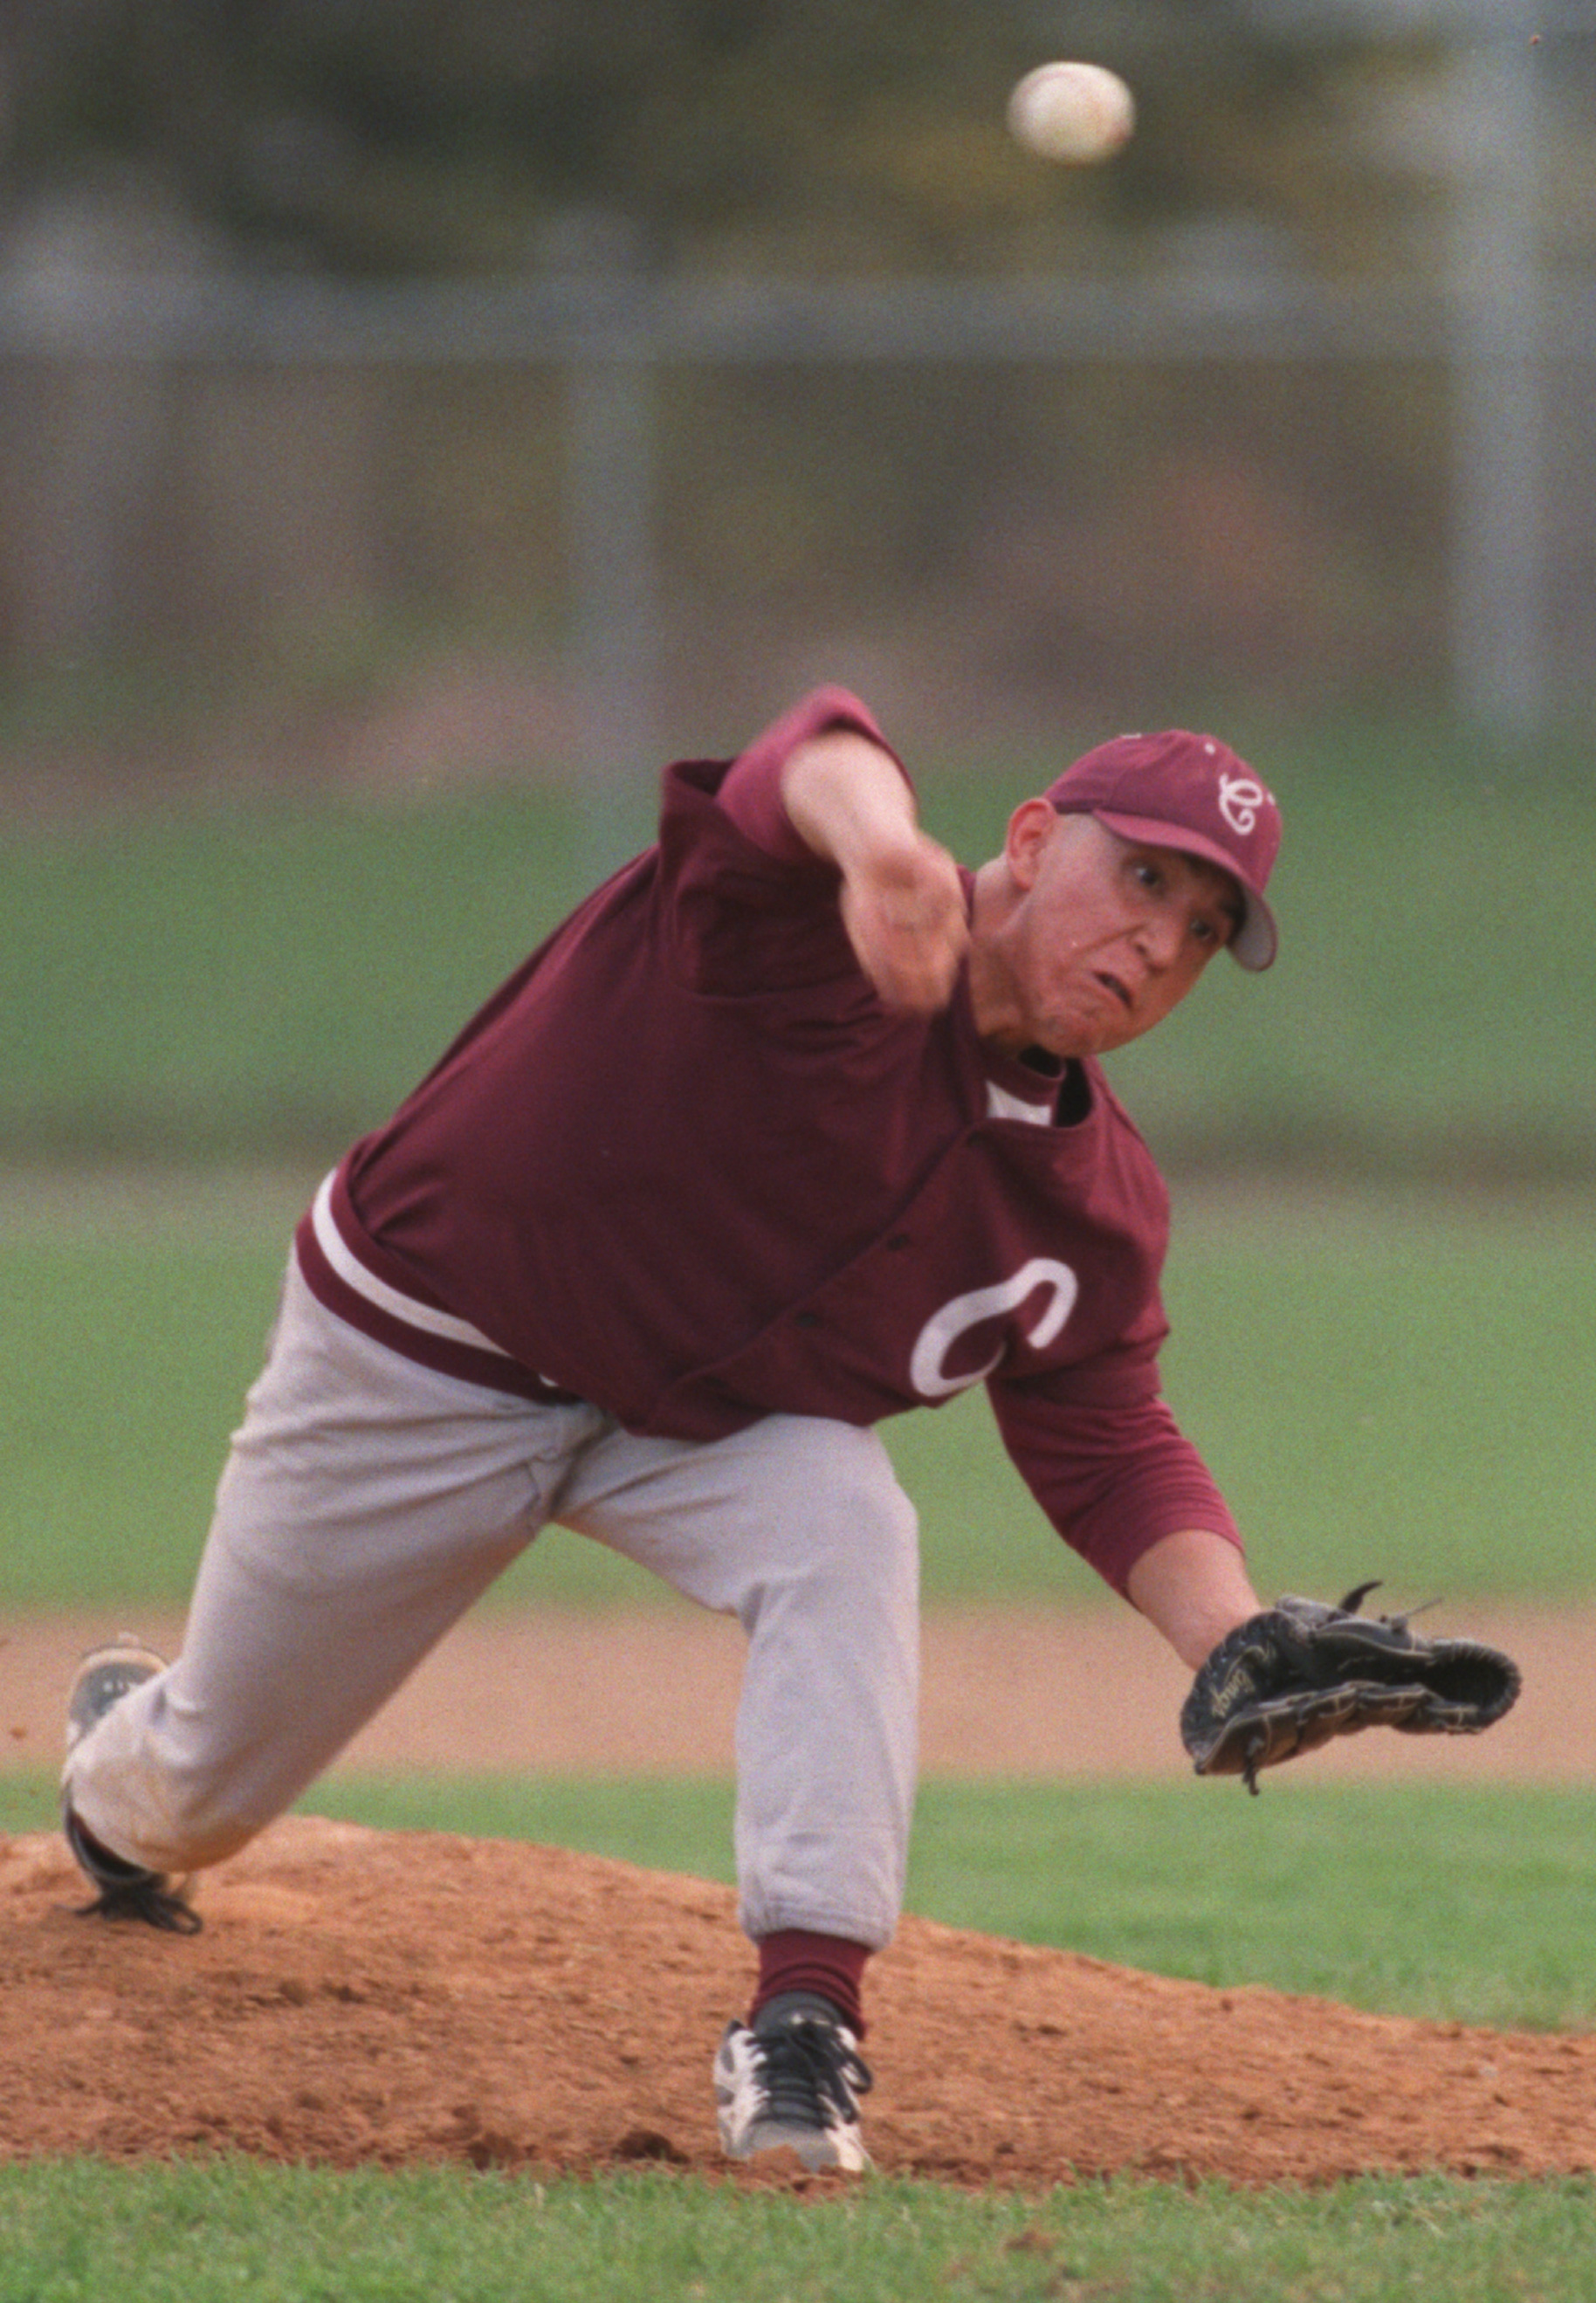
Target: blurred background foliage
[
  {"x": 384, "y": 137},
  {"x": 292, "y": 481}
]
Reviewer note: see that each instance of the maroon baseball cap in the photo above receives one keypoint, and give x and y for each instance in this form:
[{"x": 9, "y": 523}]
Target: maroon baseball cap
[{"x": 1193, "y": 794}]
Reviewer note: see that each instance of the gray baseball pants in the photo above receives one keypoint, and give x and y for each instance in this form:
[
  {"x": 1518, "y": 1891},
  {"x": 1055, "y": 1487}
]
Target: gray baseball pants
[{"x": 367, "y": 1502}]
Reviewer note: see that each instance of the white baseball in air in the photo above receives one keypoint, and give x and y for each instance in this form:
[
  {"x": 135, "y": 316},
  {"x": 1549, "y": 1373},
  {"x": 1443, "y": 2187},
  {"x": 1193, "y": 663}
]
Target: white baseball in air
[{"x": 1074, "y": 112}]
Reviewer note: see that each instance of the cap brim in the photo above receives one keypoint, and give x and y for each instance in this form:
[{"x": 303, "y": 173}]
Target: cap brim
[{"x": 1257, "y": 939}]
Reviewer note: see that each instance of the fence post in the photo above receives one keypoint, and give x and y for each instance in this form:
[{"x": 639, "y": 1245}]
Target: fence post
[
  {"x": 615, "y": 610},
  {"x": 1500, "y": 672}
]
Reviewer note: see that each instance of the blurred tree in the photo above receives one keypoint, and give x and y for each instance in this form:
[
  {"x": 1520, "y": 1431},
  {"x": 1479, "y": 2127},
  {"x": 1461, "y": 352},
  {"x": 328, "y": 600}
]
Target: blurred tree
[{"x": 382, "y": 137}]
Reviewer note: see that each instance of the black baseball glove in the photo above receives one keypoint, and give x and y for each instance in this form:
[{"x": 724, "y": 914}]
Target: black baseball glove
[{"x": 1289, "y": 1680}]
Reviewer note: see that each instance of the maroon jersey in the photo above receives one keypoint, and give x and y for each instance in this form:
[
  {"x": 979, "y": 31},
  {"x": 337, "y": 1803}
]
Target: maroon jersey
[{"x": 685, "y": 1165}]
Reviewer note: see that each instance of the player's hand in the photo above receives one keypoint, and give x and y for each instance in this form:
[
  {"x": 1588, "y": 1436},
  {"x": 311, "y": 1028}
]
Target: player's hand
[
  {"x": 902, "y": 900},
  {"x": 903, "y": 907}
]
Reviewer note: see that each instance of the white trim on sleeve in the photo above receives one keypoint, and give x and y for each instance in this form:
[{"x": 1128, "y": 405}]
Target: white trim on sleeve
[{"x": 354, "y": 1274}]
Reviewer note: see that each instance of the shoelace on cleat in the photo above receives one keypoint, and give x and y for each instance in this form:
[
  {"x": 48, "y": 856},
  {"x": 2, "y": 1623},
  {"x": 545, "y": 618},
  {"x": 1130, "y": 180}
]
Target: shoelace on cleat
[
  {"x": 804, "y": 2067},
  {"x": 146, "y": 1900}
]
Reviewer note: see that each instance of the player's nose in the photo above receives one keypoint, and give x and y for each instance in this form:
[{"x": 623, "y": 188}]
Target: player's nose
[{"x": 1157, "y": 937}]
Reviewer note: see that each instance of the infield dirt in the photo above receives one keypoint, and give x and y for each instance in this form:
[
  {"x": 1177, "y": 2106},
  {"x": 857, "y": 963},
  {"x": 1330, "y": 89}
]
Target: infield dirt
[{"x": 364, "y": 1997}]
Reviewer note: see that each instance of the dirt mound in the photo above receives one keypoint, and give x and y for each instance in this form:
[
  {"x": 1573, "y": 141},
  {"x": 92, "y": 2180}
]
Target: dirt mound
[{"x": 361, "y": 1996}]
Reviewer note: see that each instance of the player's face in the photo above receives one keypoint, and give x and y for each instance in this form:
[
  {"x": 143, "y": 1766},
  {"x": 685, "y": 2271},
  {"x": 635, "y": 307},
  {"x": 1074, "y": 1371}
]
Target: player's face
[{"x": 1105, "y": 938}]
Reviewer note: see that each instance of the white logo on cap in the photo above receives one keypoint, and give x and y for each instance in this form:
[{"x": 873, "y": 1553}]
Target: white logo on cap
[{"x": 1240, "y": 799}]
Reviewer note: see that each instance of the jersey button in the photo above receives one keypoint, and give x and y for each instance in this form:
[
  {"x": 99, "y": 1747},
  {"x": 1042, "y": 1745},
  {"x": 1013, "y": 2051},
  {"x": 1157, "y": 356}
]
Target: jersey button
[
  {"x": 899, "y": 1239},
  {"x": 805, "y": 1319}
]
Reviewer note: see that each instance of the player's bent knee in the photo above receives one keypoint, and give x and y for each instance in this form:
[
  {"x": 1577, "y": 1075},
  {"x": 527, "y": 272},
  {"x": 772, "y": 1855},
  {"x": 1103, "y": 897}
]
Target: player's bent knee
[
  {"x": 844, "y": 1541},
  {"x": 838, "y": 1492}
]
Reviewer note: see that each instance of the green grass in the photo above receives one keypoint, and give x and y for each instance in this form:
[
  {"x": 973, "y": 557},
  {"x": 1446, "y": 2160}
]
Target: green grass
[
  {"x": 1386, "y": 1384},
  {"x": 200, "y": 2233},
  {"x": 254, "y": 981},
  {"x": 251, "y": 979},
  {"x": 1381, "y": 1381}
]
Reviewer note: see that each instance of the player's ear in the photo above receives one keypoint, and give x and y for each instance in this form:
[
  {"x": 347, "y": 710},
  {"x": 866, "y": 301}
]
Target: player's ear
[{"x": 1030, "y": 829}]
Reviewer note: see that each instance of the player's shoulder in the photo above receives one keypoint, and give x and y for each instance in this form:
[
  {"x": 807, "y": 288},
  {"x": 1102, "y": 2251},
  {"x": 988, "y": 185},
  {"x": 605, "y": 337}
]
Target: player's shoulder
[
  {"x": 1127, "y": 1155},
  {"x": 1111, "y": 1107}
]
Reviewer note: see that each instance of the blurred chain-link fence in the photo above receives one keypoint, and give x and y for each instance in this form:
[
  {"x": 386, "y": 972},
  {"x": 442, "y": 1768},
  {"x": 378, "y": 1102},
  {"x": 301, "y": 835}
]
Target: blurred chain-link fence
[
  {"x": 552, "y": 522},
  {"x": 1327, "y": 452}
]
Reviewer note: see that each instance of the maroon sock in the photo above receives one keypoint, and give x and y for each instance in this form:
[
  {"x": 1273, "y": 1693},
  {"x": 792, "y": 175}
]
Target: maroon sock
[{"x": 828, "y": 1965}]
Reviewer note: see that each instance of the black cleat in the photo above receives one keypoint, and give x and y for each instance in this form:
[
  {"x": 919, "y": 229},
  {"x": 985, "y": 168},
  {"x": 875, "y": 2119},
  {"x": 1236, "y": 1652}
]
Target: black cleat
[
  {"x": 124, "y": 1891},
  {"x": 792, "y": 2083}
]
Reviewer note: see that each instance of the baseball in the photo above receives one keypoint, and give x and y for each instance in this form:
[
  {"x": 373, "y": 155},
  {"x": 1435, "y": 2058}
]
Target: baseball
[{"x": 1074, "y": 112}]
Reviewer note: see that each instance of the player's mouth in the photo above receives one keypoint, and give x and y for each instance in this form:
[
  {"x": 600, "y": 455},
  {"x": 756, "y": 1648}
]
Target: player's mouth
[{"x": 1116, "y": 989}]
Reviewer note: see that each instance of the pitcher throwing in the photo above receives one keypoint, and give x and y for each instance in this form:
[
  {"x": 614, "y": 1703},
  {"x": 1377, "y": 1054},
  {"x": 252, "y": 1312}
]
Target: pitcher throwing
[{"x": 794, "y": 1125}]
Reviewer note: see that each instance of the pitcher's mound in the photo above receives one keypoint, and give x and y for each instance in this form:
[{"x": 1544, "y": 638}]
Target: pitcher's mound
[{"x": 365, "y": 1997}]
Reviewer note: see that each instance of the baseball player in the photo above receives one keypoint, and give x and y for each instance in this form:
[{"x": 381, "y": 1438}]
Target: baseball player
[{"x": 794, "y": 1125}]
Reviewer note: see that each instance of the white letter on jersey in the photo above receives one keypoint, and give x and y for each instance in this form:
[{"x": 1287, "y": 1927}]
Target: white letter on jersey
[{"x": 927, "y": 1369}]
